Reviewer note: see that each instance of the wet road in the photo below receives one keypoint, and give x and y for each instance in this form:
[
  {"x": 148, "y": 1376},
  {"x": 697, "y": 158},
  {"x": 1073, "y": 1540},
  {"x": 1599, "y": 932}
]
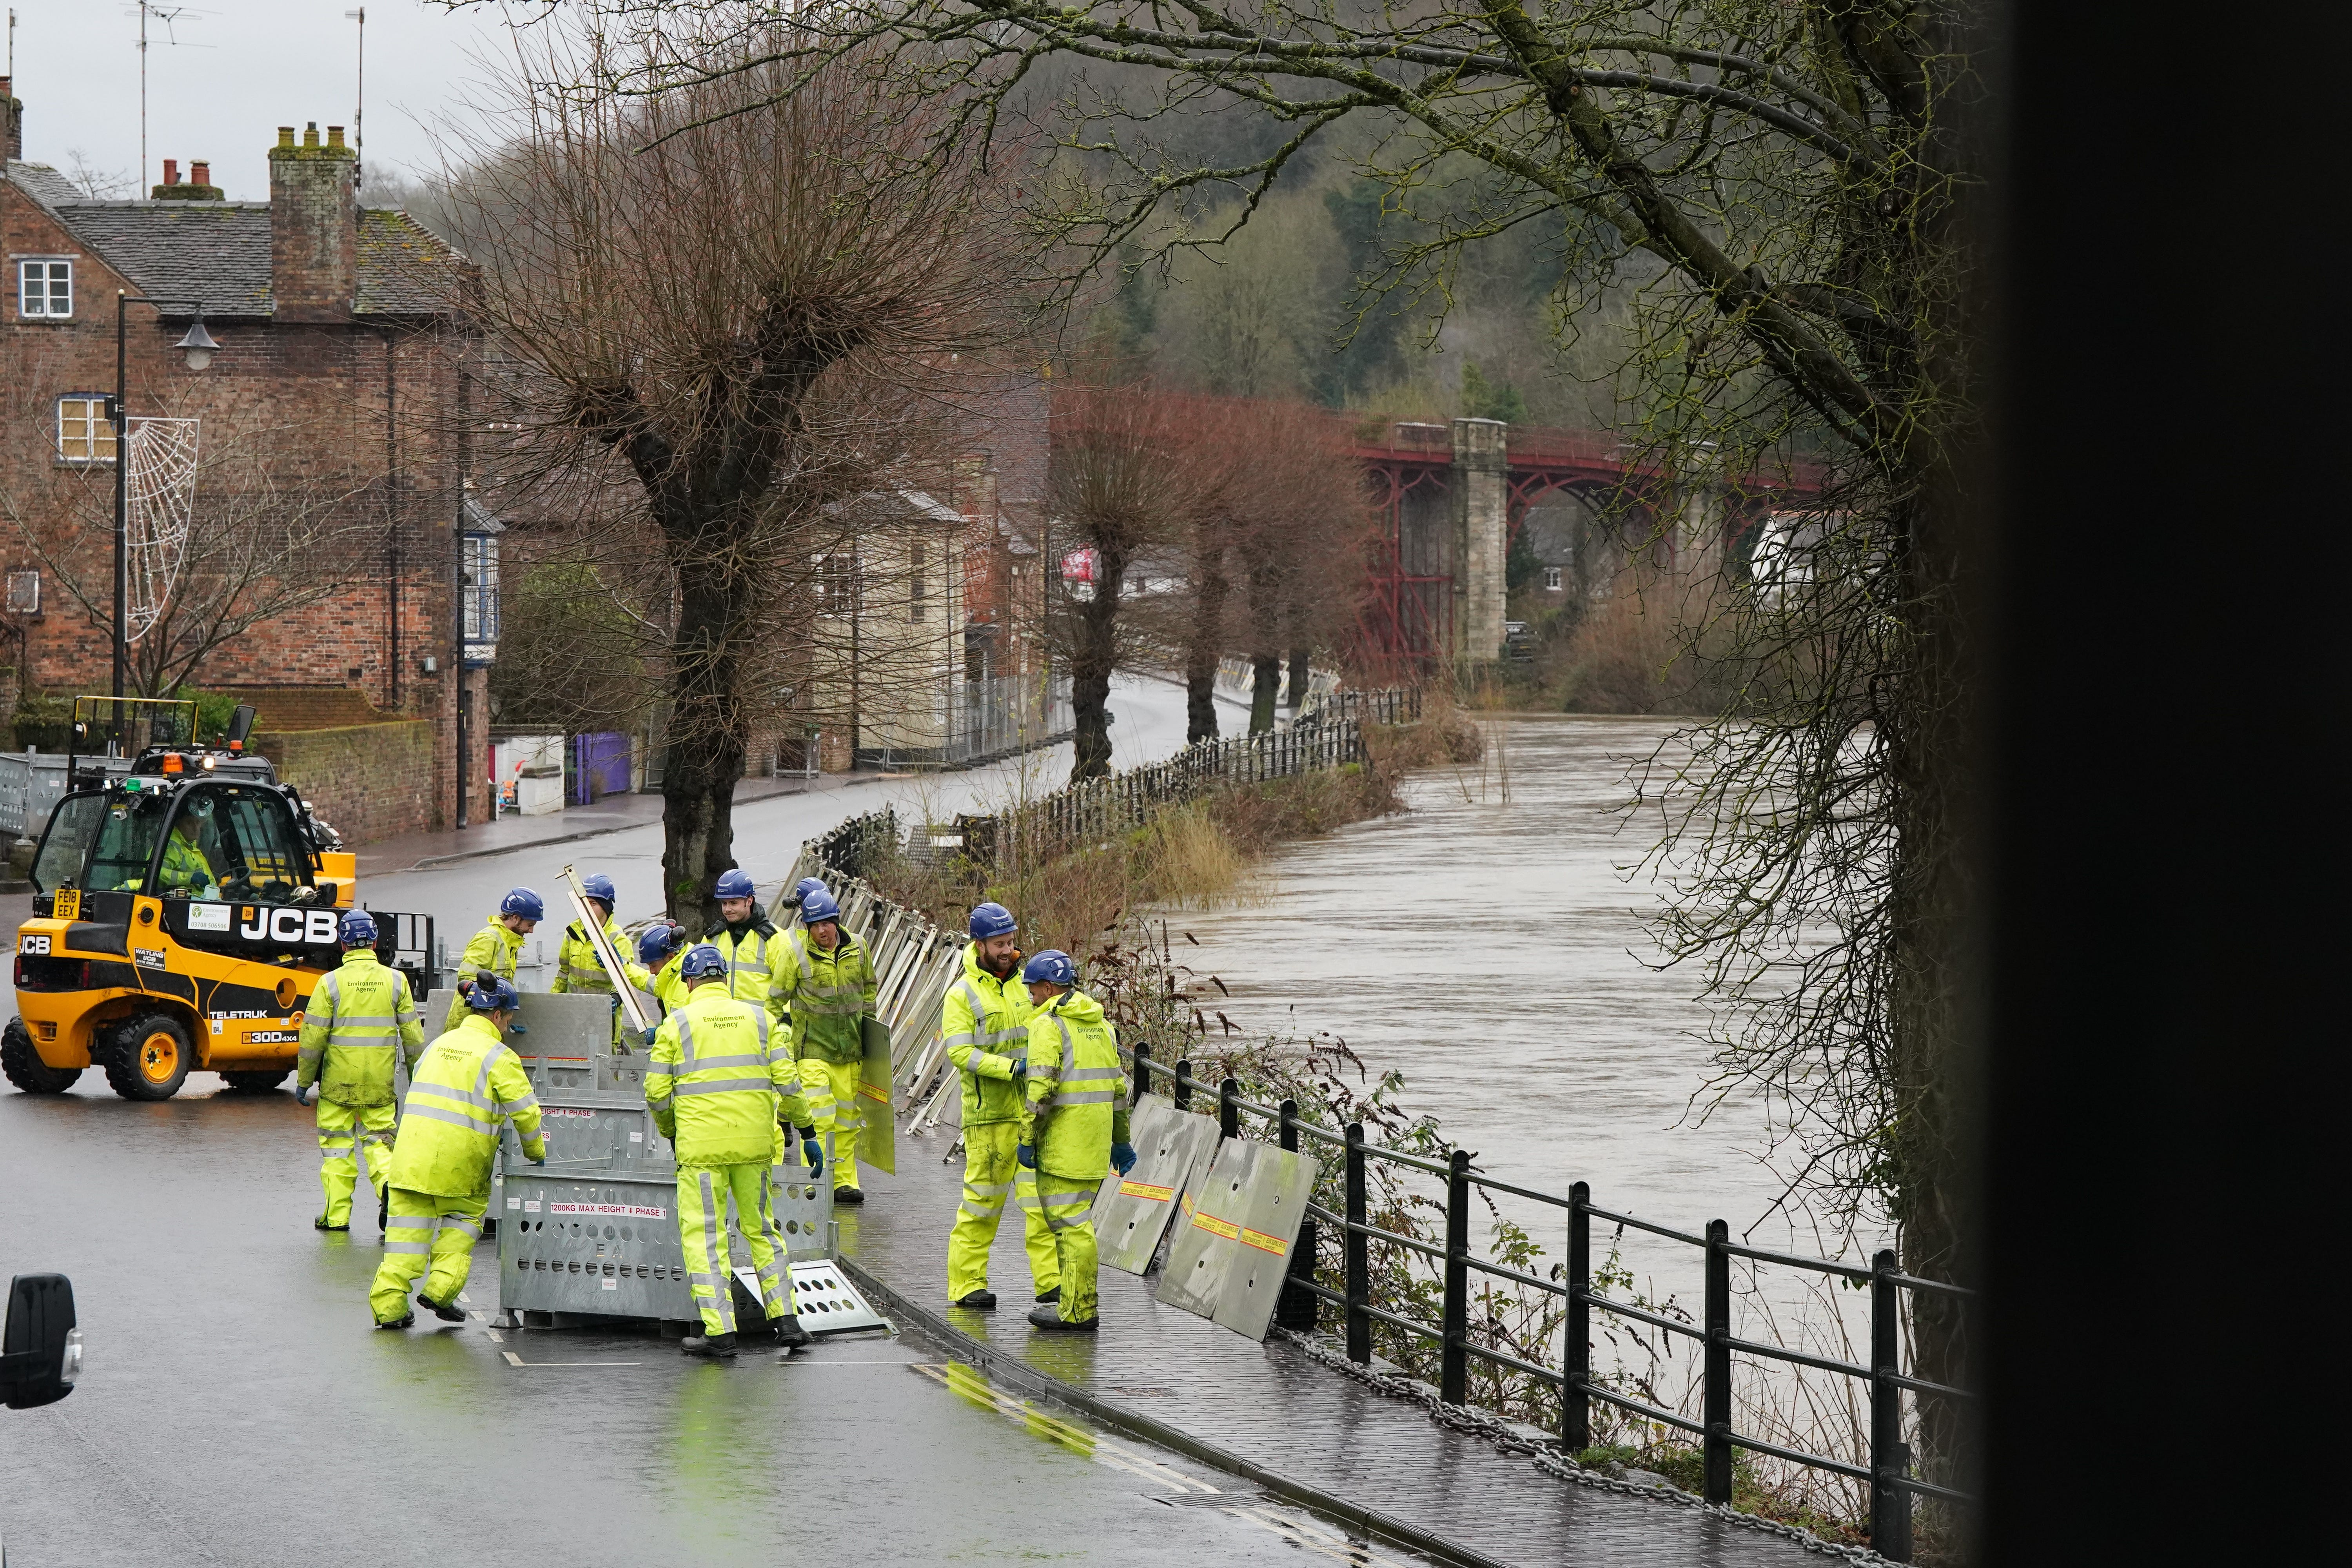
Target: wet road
[{"x": 237, "y": 1408}]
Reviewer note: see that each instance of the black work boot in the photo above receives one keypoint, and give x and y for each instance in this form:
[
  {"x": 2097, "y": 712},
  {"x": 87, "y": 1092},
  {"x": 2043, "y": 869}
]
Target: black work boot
[
  {"x": 847, "y": 1195},
  {"x": 447, "y": 1314},
  {"x": 1053, "y": 1295},
  {"x": 789, "y": 1332},
  {"x": 718, "y": 1347},
  {"x": 321, "y": 1224},
  {"x": 404, "y": 1321},
  {"x": 383, "y": 1209},
  {"x": 978, "y": 1300},
  {"x": 1051, "y": 1318}
]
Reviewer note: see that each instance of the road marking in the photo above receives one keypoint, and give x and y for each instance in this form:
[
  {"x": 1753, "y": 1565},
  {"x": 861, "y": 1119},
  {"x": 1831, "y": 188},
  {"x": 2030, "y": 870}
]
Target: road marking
[
  {"x": 495, "y": 1337},
  {"x": 1100, "y": 1447},
  {"x": 514, "y": 1360}
]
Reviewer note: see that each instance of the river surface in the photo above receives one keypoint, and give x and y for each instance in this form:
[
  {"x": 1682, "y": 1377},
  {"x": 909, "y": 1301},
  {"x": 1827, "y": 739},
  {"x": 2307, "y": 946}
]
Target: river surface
[{"x": 1491, "y": 943}]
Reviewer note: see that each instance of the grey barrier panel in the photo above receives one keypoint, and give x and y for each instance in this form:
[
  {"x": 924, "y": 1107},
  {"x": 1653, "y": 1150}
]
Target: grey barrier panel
[
  {"x": 823, "y": 1298},
  {"x": 1228, "y": 1259},
  {"x": 562, "y": 1037},
  {"x": 586, "y": 1128},
  {"x": 880, "y": 1145},
  {"x": 601, "y": 1240},
  {"x": 1172, "y": 1149}
]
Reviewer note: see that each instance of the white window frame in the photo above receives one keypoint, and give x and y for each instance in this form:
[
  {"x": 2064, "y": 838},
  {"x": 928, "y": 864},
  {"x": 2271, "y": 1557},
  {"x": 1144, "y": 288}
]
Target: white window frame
[
  {"x": 26, "y": 292},
  {"x": 1554, "y": 579},
  {"x": 100, "y": 427}
]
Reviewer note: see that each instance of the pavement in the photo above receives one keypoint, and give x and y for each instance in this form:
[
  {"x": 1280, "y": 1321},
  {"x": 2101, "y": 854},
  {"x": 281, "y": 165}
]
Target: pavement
[
  {"x": 1267, "y": 1411},
  {"x": 237, "y": 1407}
]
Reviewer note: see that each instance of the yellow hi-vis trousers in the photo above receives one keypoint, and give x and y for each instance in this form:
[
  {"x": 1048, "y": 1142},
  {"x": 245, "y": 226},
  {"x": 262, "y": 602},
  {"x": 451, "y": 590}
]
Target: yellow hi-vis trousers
[
  {"x": 1067, "y": 1203},
  {"x": 422, "y": 1228},
  {"x": 703, "y": 1192},
  {"x": 991, "y": 1174},
  {"x": 347, "y": 1136},
  {"x": 831, "y": 1090}
]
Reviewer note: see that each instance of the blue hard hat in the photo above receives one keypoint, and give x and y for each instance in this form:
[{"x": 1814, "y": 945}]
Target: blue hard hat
[
  {"x": 358, "y": 929},
  {"x": 817, "y": 905},
  {"x": 599, "y": 886},
  {"x": 1052, "y": 967},
  {"x": 491, "y": 994},
  {"x": 992, "y": 919},
  {"x": 655, "y": 944},
  {"x": 702, "y": 960},
  {"x": 524, "y": 902},
  {"x": 805, "y": 886},
  {"x": 734, "y": 883}
]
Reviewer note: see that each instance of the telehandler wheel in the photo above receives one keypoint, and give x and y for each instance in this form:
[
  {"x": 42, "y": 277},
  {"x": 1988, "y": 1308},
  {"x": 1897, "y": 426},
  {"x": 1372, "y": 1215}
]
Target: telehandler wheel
[
  {"x": 150, "y": 1059},
  {"x": 24, "y": 1067},
  {"x": 253, "y": 1082}
]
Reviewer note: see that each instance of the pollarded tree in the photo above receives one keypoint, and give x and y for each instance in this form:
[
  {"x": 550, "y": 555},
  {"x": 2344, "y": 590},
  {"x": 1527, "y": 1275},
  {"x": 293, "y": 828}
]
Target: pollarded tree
[{"x": 746, "y": 315}]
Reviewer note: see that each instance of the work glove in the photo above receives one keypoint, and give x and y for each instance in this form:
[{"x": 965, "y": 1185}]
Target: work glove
[
  {"x": 617, "y": 1003},
  {"x": 518, "y": 1028},
  {"x": 651, "y": 1030},
  {"x": 1021, "y": 1069},
  {"x": 302, "y": 1094},
  {"x": 1123, "y": 1157},
  {"x": 538, "y": 1159},
  {"x": 1027, "y": 1156},
  {"x": 813, "y": 1152}
]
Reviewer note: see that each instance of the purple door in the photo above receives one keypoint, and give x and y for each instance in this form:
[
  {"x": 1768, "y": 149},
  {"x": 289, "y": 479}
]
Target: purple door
[{"x": 600, "y": 766}]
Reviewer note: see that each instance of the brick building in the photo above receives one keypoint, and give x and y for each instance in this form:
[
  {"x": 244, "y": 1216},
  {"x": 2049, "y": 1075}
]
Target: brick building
[{"x": 330, "y": 427}]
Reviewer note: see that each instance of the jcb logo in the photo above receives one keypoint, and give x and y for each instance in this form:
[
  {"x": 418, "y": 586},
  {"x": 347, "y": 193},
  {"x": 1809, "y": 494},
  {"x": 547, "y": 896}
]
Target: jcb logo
[
  {"x": 313, "y": 927},
  {"x": 34, "y": 944}
]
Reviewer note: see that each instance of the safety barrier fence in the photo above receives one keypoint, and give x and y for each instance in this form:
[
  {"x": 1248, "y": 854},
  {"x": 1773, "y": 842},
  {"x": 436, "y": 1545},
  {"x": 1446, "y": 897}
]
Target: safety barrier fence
[
  {"x": 1888, "y": 1474},
  {"x": 1388, "y": 705}
]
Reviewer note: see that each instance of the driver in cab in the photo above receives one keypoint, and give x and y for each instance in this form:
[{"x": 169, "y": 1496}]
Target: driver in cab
[{"x": 184, "y": 868}]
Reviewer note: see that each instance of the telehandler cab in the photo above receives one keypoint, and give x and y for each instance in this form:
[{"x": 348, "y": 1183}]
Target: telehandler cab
[{"x": 185, "y": 904}]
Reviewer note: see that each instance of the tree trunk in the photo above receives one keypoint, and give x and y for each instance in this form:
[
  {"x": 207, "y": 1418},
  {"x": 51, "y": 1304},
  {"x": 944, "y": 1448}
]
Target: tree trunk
[
  {"x": 1094, "y": 650},
  {"x": 1296, "y": 696},
  {"x": 1200, "y": 654},
  {"x": 703, "y": 757},
  {"x": 1265, "y": 692}
]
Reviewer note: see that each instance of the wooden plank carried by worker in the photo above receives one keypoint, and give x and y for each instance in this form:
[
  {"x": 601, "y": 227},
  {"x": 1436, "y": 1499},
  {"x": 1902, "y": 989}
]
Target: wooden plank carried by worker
[
  {"x": 1172, "y": 1149},
  {"x": 878, "y": 1146},
  {"x": 631, "y": 1005}
]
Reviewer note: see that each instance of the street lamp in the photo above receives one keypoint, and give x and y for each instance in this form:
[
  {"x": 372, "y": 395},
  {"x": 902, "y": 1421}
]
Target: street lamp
[{"x": 199, "y": 348}]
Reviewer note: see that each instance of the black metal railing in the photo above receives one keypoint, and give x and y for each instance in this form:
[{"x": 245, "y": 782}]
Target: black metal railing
[{"x": 1887, "y": 1476}]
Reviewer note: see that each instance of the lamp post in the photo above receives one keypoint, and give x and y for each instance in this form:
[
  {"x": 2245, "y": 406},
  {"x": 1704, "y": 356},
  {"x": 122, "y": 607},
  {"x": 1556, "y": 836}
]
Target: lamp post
[{"x": 199, "y": 347}]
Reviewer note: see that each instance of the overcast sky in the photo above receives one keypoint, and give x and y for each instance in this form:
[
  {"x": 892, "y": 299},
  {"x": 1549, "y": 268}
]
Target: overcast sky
[{"x": 240, "y": 69}]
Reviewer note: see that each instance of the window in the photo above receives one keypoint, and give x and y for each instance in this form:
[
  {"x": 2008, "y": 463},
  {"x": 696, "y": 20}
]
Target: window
[
  {"x": 479, "y": 592},
  {"x": 24, "y": 592},
  {"x": 914, "y": 580},
  {"x": 251, "y": 844},
  {"x": 836, "y": 585},
  {"x": 1551, "y": 579},
  {"x": 45, "y": 289},
  {"x": 85, "y": 435}
]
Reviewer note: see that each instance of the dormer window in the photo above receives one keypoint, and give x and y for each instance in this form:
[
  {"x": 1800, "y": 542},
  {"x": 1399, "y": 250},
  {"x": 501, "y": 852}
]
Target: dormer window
[{"x": 45, "y": 289}]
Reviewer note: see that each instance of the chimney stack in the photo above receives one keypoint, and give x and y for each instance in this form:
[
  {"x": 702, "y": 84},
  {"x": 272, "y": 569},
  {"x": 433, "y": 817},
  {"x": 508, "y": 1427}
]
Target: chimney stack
[
  {"x": 313, "y": 226},
  {"x": 12, "y": 124},
  {"x": 199, "y": 187}
]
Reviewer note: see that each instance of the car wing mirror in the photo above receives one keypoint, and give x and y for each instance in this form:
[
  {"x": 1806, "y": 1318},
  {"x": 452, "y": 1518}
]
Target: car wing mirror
[{"x": 41, "y": 1352}]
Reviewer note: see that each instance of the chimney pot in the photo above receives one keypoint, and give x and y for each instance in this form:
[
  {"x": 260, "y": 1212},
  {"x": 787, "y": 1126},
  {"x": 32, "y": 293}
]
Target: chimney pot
[
  {"x": 171, "y": 171},
  {"x": 285, "y": 136},
  {"x": 200, "y": 173},
  {"x": 310, "y": 134},
  {"x": 334, "y": 135}
]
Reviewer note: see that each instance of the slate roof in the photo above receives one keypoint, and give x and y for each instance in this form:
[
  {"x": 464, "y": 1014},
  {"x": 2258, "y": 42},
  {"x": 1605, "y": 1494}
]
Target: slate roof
[{"x": 218, "y": 252}]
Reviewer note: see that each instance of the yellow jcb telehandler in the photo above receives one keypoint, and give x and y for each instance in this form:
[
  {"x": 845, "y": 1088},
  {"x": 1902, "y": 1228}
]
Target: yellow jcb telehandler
[{"x": 185, "y": 904}]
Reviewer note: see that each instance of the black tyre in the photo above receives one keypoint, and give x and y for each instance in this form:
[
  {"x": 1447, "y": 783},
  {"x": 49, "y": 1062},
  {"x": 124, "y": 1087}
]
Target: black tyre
[
  {"x": 148, "y": 1057},
  {"x": 24, "y": 1067},
  {"x": 255, "y": 1082}
]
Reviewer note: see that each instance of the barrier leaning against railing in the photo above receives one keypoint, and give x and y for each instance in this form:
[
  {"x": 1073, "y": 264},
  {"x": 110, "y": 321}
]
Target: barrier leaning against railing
[{"x": 1887, "y": 1475}]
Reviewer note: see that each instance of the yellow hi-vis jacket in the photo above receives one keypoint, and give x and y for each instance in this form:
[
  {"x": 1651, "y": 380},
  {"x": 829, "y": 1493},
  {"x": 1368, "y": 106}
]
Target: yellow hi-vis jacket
[
  {"x": 755, "y": 958},
  {"x": 184, "y": 866},
  {"x": 493, "y": 948},
  {"x": 355, "y": 1019},
  {"x": 668, "y": 987},
  {"x": 828, "y": 992},
  {"x": 458, "y": 1092},
  {"x": 577, "y": 967},
  {"x": 722, "y": 1077},
  {"x": 986, "y": 1024},
  {"x": 1077, "y": 1100}
]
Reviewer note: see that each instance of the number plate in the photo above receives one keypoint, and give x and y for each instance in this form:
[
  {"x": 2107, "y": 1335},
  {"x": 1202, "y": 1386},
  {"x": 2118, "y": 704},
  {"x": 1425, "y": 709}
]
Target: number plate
[{"x": 69, "y": 903}]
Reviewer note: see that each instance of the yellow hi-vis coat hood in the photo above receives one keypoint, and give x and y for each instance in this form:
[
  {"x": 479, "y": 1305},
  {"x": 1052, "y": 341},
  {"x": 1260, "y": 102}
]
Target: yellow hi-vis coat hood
[
  {"x": 723, "y": 1077},
  {"x": 458, "y": 1092},
  {"x": 1077, "y": 1091},
  {"x": 358, "y": 1020},
  {"x": 985, "y": 1025}
]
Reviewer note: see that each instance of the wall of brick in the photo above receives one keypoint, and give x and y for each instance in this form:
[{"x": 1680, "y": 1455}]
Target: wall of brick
[{"x": 369, "y": 781}]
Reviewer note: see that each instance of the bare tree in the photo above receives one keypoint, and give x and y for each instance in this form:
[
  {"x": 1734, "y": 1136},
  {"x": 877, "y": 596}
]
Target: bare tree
[{"x": 734, "y": 302}]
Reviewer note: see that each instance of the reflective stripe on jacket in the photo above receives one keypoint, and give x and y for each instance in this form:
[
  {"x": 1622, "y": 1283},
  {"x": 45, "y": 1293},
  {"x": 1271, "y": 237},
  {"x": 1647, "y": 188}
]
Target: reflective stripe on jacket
[
  {"x": 722, "y": 1077},
  {"x": 459, "y": 1091},
  {"x": 753, "y": 964},
  {"x": 828, "y": 993},
  {"x": 985, "y": 1025},
  {"x": 1077, "y": 1091},
  {"x": 355, "y": 1019},
  {"x": 577, "y": 967}
]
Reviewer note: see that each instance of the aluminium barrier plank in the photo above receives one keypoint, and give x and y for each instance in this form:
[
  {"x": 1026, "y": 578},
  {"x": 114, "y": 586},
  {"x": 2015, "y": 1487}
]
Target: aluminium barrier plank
[
  {"x": 1228, "y": 1261},
  {"x": 1173, "y": 1151}
]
